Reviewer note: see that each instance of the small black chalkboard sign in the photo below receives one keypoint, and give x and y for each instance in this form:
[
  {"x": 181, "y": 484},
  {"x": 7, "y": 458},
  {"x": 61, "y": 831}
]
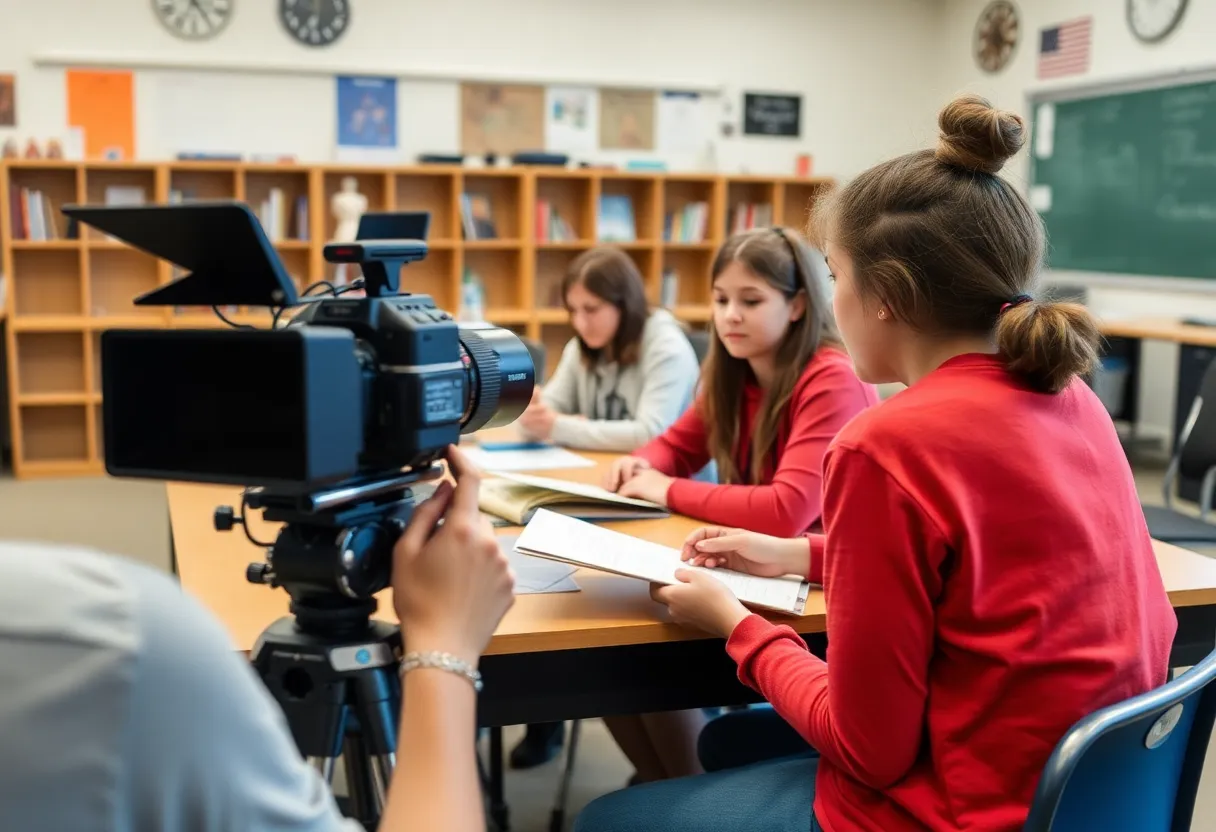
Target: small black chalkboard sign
[{"x": 772, "y": 115}]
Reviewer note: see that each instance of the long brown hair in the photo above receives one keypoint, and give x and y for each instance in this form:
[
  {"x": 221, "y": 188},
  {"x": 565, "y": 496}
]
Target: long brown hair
[
  {"x": 611, "y": 275},
  {"x": 949, "y": 247},
  {"x": 779, "y": 257}
]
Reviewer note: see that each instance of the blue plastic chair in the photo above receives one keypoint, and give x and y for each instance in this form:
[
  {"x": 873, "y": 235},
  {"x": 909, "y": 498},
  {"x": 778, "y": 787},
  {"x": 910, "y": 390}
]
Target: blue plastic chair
[{"x": 1132, "y": 765}]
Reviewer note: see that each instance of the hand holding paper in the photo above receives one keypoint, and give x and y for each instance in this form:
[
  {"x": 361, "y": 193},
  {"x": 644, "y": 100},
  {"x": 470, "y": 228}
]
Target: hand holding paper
[{"x": 700, "y": 600}]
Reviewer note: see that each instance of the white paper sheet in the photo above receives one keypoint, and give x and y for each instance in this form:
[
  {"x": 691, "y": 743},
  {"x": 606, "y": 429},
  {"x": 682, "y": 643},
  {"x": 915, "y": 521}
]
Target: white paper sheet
[
  {"x": 537, "y": 576},
  {"x": 530, "y": 459},
  {"x": 683, "y": 124},
  {"x": 571, "y": 119},
  {"x": 554, "y": 535},
  {"x": 1045, "y": 131}
]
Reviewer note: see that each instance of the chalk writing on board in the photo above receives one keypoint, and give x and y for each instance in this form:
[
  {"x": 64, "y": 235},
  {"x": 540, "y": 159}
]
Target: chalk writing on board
[{"x": 772, "y": 115}]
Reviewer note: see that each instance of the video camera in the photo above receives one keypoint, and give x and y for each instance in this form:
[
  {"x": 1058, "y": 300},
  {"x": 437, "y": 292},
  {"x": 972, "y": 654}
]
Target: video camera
[{"x": 330, "y": 420}]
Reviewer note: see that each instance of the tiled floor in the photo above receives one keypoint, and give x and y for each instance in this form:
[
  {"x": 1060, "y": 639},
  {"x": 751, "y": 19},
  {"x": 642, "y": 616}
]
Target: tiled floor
[{"x": 131, "y": 518}]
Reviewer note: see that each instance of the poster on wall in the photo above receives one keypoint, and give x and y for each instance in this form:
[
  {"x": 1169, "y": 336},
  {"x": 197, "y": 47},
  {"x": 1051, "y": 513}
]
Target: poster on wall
[
  {"x": 367, "y": 119},
  {"x": 682, "y": 123},
  {"x": 101, "y": 104},
  {"x": 501, "y": 118},
  {"x": 8, "y": 101},
  {"x": 571, "y": 119},
  {"x": 772, "y": 115},
  {"x": 627, "y": 119}
]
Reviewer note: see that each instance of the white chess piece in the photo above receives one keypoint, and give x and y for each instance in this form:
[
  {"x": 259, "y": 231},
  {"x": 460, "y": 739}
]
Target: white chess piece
[{"x": 347, "y": 206}]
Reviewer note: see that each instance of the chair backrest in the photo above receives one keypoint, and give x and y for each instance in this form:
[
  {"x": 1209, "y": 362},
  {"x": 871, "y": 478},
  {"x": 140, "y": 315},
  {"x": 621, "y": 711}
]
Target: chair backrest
[
  {"x": 699, "y": 338},
  {"x": 1197, "y": 445},
  {"x": 1132, "y": 765},
  {"x": 537, "y": 350}
]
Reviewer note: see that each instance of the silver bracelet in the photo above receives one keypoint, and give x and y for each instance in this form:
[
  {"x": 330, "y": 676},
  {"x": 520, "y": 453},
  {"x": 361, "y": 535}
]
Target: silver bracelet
[{"x": 442, "y": 661}]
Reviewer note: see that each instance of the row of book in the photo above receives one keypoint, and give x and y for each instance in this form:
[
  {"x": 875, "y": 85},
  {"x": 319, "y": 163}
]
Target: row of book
[
  {"x": 551, "y": 227},
  {"x": 32, "y": 216},
  {"x": 748, "y": 215},
  {"x": 688, "y": 225}
]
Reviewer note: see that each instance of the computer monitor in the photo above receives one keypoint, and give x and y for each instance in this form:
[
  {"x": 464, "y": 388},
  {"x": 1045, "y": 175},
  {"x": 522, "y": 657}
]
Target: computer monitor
[{"x": 394, "y": 225}]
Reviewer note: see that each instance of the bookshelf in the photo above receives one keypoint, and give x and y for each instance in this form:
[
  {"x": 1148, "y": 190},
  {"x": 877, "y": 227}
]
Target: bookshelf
[{"x": 62, "y": 292}]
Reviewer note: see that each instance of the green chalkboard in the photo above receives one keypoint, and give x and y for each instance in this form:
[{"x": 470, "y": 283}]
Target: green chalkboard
[{"x": 1126, "y": 182}]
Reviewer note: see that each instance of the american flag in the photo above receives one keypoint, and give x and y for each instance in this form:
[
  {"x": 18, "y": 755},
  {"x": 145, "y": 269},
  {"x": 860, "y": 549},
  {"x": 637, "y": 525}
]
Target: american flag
[{"x": 1064, "y": 49}]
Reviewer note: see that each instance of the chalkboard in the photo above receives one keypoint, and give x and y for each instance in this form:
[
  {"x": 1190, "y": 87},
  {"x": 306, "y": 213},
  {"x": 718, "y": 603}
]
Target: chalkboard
[
  {"x": 772, "y": 115},
  {"x": 1126, "y": 182}
]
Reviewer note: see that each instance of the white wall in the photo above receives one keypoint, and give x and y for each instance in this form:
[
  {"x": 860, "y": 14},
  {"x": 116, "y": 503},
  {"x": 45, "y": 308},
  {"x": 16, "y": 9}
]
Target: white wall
[
  {"x": 1116, "y": 56},
  {"x": 873, "y": 52}
]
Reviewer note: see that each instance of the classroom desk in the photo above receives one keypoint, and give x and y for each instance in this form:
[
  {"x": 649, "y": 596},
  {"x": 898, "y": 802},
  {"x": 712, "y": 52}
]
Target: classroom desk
[
  {"x": 604, "y": 650},
  {"x": 1196, "y": 350}
]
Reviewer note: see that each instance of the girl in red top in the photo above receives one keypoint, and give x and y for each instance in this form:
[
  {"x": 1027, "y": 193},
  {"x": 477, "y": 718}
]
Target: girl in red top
[
  {"x": 989, "y": 577},
  {"x": 777, "y": 386}
]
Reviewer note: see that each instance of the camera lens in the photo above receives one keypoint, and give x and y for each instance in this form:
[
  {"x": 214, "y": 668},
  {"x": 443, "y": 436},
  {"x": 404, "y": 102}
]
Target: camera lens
[{"x": 501, "y": 376}]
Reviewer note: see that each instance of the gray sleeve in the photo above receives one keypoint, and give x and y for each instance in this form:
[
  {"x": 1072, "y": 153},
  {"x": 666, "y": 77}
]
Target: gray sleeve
[
  {"x": 207, "y": 746},
  {"x": 669, "y": 374}
]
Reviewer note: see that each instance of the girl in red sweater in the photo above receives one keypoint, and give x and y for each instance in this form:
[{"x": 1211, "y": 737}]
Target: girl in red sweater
[
  {"x": 988, "y": 573},
  {"x": 777, "y": 388}
]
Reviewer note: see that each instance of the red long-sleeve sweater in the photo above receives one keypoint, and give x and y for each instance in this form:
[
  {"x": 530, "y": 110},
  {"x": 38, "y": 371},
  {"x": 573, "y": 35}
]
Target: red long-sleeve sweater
[
  {"x": 989, "y": 580},
  {"x": 827, "y": 395}
]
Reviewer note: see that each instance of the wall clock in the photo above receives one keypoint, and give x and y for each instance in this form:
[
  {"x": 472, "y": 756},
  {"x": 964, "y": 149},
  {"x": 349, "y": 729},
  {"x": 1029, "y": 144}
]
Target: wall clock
[
  {"x": 193, "y": 19},
  {"x": 1153, "y": 20},
  {"x": 315, "y": 22},
  {"x": 996, "y": 35}
]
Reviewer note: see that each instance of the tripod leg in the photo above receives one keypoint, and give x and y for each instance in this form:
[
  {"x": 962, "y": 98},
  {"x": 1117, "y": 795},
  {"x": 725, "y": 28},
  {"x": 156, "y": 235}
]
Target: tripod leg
[
  {"x": 498, "y": 803},
  {"x": 360, "y": 782}
]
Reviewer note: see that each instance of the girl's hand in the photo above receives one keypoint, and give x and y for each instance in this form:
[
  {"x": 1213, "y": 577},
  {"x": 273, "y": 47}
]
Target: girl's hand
[
  {"x": 750, "y": 552},
  {"x": 451, "y": 582},
  {"x": 700, "y": 600},
  {"x": 624, "y": 469},
  {"x": 648, "y": 484},
  {"x": 537, "y": 420}
]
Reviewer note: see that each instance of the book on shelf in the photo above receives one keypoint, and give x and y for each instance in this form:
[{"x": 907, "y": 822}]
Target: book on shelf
[
  {"x": 33, "y": 217},
  {"x": 669, "y": 288},
  {"x": 280, "y": 223},
  {"x": 551, "y": 227},
  {"x": 615, "y": 223},
  {"x": 688, "y": 225},
  {"x": 517, "y": 497},
  {"x": 748, "y": 215},
  {"x": 568, "y": 540},
  {"x": 476, "y": 217}
]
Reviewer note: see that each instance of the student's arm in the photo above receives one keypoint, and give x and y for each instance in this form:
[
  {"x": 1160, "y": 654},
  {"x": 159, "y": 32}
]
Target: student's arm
[
  {"x": 669, "y": 372},
  {"x": 790, "y": 503},
  {"x": 865, "y": 710},
  {"x": 683, "y": 449}
]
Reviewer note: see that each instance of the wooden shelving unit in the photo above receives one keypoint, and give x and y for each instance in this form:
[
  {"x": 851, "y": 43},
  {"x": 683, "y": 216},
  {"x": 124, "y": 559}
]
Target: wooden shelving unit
[{"x": 63, "y": 293}]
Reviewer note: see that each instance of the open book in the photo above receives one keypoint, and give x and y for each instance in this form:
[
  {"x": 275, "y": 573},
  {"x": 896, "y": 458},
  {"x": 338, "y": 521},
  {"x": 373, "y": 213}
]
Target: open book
[
  {"x": 516, "y": 497},
  {"x": 566, "y": 539}
]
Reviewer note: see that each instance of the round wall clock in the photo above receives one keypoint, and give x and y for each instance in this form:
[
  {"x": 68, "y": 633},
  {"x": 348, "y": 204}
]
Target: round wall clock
[
  {"x": 996, "y": 35},
  {"x": 1152, "y": 20},
  {"x": 315, "y": 22},
  {"x": 193, "y": 19}
]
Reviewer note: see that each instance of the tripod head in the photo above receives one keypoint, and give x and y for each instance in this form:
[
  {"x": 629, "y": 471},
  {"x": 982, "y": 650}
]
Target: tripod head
[{"x": 335, "y": 549}]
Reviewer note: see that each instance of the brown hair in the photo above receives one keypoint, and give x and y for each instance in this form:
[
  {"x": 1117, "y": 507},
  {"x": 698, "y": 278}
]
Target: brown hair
[
  {"x": 780, "y": 258},
  {"x": 946, "y": 246},
  {"x": 611, "y": 275}
]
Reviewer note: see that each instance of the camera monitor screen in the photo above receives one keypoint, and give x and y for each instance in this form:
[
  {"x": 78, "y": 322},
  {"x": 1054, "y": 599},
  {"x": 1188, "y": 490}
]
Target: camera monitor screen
[
  {"x": 394, "y": 225},
  {"x": 255, "y": 407}
]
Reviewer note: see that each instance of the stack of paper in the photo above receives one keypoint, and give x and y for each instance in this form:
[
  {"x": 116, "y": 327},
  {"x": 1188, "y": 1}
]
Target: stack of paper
[
  {"x": 560, "y": 538},
  {"x": 516, "y": 497}
]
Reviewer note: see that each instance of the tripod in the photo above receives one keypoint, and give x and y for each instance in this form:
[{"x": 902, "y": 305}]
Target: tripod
[{"x": 341, "y": 695}]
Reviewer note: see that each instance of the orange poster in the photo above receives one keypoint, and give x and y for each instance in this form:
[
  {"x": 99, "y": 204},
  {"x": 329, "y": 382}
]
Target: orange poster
[{"x": 102, "y": 105}]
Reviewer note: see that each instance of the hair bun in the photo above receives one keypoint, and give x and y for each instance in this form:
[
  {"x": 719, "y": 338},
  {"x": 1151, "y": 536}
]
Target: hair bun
[{"x": 976, "y": 136}]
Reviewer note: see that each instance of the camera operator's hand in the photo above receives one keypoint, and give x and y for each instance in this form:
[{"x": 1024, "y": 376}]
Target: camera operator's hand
[
  {"x": 451, "y": 583},
  {"x": 623, "y": 470}
]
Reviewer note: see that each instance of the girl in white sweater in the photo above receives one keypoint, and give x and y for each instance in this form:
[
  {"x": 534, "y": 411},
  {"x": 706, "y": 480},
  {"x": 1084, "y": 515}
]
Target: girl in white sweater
[{"x": 628, "y": 373}]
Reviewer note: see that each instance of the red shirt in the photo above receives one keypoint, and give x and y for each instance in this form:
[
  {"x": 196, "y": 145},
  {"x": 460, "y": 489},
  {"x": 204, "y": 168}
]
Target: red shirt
[
  {"x": 826, "y": 396},
  {"x": 989, "y": 581}
]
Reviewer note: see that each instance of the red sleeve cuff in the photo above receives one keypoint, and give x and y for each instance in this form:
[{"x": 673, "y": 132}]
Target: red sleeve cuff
[
  {"x": 752, "y": 635},
  {"x": 815, "y": 572},
  {"x": 685, "y": 495}
]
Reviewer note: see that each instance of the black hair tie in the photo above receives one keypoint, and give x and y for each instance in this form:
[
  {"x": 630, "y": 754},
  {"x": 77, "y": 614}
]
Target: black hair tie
[{"x": 1018, "y": 300}]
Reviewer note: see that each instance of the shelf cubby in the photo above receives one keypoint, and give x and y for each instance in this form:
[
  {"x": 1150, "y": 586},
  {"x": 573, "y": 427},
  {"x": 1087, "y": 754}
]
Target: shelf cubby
[
  {"x": 203, "y": 183},
  {"x": 58, "y": 185},
  {"x": 54, "y": 433},
  {"x": 293, "y": 185},
  {"x": 678, "y": 194},
  {"x": 47, "y": 282},
  {"x": 571, "y": 199},
  {"x": 643, "y": 195},
  {"x": 501, "y": 275},
  {"x": 101, "y": 188},
  {"x": 49, "y": 363},
  {"x": 116, "y": 278},
  {"x": 434, "y": 192},
  {"x": 551, "y": 269},
  {"x": 749, "y": 191},
  {"x": 797, "y": 202},
  {"x": 692, "y": 267},
  {"x": 504, "y": 190},
  {"x": 298, "y": 263}
]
